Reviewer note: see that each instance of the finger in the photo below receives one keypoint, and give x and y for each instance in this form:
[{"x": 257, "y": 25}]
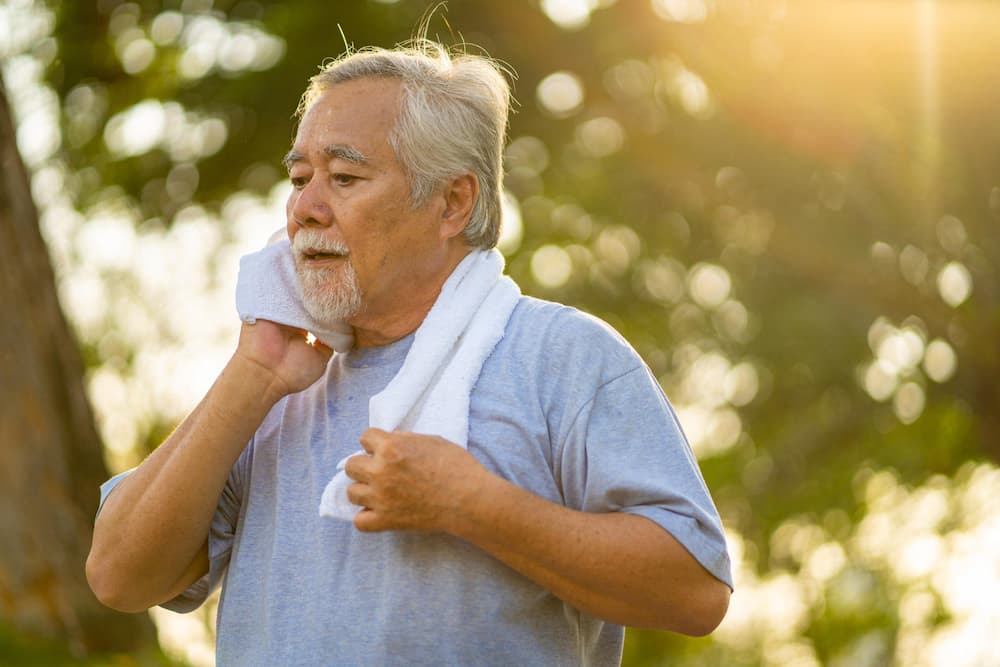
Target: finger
[
  {"x": 356, "y": 468},
  {"x": 358, "y": 494},
  {"x": 373, "y": 438},
  {"x": 286, "y": 327},
  {"x": 367, "y": 521}
]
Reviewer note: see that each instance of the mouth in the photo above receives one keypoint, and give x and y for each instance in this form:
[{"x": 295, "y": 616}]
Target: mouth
[{"x": 321, "y": 255}]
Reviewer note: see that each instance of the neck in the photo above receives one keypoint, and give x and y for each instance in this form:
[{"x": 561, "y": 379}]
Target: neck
[{"x": 408, "y": 311}]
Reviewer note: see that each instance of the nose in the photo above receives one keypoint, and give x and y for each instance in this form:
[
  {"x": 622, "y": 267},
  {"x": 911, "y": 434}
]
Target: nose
[{"x": 308, "y": 206}]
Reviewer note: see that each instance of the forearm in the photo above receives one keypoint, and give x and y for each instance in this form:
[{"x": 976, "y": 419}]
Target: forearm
[
  {"x": 619, "y": 567},
  {"x": 156, "y": 521}
]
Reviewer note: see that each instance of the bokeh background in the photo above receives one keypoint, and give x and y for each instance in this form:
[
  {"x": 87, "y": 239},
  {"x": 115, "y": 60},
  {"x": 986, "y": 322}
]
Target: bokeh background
[{"x": 790, "y": 208}]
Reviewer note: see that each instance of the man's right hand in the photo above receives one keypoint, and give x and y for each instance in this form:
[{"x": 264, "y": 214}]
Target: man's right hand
[{"x": 285, "y": 353}]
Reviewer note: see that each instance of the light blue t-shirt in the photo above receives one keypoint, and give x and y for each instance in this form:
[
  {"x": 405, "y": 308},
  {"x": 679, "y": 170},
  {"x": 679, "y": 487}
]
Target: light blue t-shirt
[{"x": 564, "y": 408}]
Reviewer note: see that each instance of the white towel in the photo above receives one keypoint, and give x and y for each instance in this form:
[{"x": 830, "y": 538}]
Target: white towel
[
  {"x": 430, "y": 393},
  {"x": 266, "y": 290}
]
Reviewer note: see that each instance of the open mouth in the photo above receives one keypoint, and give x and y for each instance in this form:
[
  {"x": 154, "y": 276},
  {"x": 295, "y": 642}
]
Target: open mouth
[{"x": 318, "y": 255}]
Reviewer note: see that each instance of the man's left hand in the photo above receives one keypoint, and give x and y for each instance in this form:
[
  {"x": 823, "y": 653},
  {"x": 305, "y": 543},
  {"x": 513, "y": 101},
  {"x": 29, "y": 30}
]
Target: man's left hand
[{"x": 410, "y": 481}]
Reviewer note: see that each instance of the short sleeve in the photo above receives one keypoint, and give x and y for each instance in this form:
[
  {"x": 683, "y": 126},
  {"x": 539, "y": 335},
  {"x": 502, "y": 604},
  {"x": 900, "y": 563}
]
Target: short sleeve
[
  {"x": 625, "y": 451},
  {"x": 221, "y": 536},
  {"x": 110, "y": 485},
  {"x": 220, "y": 539}
]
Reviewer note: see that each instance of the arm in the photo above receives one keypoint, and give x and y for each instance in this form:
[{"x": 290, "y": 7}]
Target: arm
[
  {"x": 619, "y": 567},
  {"x": 150, "y": 539}
]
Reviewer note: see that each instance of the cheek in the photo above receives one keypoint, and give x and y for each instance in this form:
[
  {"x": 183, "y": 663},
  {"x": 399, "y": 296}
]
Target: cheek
[{"x": 289, "y": 205}]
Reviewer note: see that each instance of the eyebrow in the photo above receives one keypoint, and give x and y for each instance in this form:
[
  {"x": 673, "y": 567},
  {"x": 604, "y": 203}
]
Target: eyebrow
[{"x": 342, "y": 151}]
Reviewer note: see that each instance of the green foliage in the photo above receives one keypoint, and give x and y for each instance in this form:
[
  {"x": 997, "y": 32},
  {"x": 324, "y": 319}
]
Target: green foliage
[{"x": 17, "y": 650}]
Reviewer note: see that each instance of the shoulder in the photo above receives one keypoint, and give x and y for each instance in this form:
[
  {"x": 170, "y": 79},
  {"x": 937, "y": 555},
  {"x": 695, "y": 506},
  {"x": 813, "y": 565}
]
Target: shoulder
[{"x": 562, "y": 339}]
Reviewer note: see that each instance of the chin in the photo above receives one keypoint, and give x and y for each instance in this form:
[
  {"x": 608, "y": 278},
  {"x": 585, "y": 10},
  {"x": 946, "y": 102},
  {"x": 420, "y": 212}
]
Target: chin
[{"x": 329, "y": 295}]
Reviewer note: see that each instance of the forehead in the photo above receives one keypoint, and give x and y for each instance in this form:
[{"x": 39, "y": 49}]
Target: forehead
[{"x": 358, "y": 114}]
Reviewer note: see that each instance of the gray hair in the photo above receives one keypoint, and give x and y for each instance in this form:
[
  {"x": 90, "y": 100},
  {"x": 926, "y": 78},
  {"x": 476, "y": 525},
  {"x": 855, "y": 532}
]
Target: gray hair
[{"x": 452, "y": 120}]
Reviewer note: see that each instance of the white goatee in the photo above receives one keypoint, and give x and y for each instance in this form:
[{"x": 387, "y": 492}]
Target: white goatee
[{"x": 331, "y": 293}]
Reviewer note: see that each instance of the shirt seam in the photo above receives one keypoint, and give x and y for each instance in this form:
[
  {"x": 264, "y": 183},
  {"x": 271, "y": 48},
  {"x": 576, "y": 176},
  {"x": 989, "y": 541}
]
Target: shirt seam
[{"x": 593, "y": 397}]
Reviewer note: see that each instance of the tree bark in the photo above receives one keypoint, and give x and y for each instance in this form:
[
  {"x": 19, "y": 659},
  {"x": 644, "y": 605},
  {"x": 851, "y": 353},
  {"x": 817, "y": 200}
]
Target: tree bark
[{"x": 50, "y": 453}]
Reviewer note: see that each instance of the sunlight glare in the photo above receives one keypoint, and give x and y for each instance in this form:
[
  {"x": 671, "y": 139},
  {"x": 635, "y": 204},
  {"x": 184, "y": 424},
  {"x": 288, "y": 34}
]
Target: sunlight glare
[
  {"x": 569, "y": 14},
  {"x": 920, "y": 556},
  {"x": 916, "y": 607},
  {"x": 601, "y": 137},
  {"x": 237, "y": 53},
  {"x": 902, "y": 350},
  {"x": 724, "y": 430},
  {"x": 663, "y": 279},
  {"x": 908, "y": 403},
  {"x": 784, "y": 605},
  {"x": 883, "y": 252},
  {"x": 512, "y": 227},
  {"x": 741, "y": 384},
  {"x": 107, "y": 242},
  {"x": 826, "y": 561},
  {"x": 940, "y": 361},
  {"x": 110, "y": 394},
  {"x": 709, "y": 285},
  {"x": 705, "y": 380},
  {"x": 201, "y": 39},
  {"x": 26, "y": 24},
  {"x": 184, "y": 637},
  {"x": 166, "y": 27},
  {"x": 83, "y": 110},
  {"x": 38, "y": 133},
  {"x": 880, "y": 380},
  {"x": 135, "y": 130},
  {"x": 681, "y": 11},
  {"x": 551, "y": 266},
  {"x": 137, "y": 55},
  {"x": 617, "y": 246},
  {"x": 879, "y": 330},
  {"x": 527, "y": 152},
  {"x": 694, "y": 95},
  {"x": 732, "y": 320},
  {"x": 560, "y": 94},
  {"x": 954, "y": 282},
  {"x": 85, "y": 299}
]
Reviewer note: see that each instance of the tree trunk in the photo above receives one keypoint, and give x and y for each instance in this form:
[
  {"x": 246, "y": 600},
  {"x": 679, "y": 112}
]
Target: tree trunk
[{"x": 50, "y": 452}]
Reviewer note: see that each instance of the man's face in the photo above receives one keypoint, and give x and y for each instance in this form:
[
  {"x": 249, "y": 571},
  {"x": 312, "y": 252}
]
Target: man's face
[{"x": 360, "y": 247}]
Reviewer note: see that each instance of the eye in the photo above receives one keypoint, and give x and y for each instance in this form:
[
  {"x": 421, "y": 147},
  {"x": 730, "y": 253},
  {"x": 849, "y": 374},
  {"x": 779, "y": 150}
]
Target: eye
[
  {"x": 298, "y": 182},
  {"x": 343, "y": 179}
]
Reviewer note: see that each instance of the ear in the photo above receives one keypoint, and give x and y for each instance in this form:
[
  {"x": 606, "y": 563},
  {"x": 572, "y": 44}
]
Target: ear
[{"x": 460, "y": 195}]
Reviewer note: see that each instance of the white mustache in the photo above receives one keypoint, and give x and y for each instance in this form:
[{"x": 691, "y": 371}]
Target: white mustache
[{"x": 314, "y": 242}]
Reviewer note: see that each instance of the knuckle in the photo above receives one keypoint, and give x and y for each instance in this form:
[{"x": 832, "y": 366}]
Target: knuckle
[{"x": 394, "y": 452}]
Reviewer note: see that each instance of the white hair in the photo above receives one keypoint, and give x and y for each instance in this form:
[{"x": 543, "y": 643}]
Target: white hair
[{"x": 452, "y": 120}]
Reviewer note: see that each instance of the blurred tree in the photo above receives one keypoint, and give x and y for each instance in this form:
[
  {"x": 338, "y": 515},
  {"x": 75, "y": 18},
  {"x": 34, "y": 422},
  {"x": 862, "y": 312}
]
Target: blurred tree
[{"x": 50, "y": 454}]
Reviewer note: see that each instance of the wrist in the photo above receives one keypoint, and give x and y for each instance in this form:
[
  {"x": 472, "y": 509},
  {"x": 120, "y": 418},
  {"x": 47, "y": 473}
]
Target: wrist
[
  {"x": 254, "y": 380},
  {"x": 481, "y": 495}
]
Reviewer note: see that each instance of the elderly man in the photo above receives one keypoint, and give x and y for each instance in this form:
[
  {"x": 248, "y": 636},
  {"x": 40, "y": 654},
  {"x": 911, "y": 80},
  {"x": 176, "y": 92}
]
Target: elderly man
[{"x": 573, "y": 508}]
